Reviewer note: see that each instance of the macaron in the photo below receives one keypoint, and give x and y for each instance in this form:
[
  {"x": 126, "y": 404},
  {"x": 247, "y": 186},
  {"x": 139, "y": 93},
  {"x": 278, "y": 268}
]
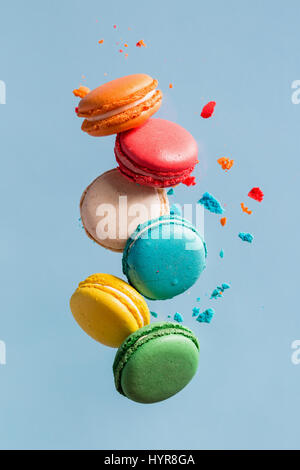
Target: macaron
[
  {"x": 112, "y": 207},
  {"x": 119, "y": 105},
  {"x": 159, "y": 153},
  {"x": 156, "y": 362},
  {"x": 108, "y": 309},
  {"x": 164, "y": 257}
]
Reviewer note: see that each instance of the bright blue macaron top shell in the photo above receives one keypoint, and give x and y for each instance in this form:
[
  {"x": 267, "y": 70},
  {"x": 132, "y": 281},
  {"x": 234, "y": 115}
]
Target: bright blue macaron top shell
[{"x": 164, "y": 257}]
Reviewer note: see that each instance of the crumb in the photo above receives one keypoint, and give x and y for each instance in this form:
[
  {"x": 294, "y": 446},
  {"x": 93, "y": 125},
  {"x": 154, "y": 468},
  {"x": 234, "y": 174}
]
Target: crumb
[
  {"x": 257, "y": 194},
  {"x": 178, "y": 317},
  {"x": 140, "y": 43},
  {"x": 175, "y": 209},
  {"x": 246, "y": 237},
  {"x": 211, "y": 203},
  {"x": 216, "y": 293},
  {"x": 101, "y": 41},
  {"x": 198, "y": 299},
  {"x": 225, "y": 286},
  {"x": 208, "y": 110},
  {"x": 222, "y": 253},
  {"x": 154, "y": 314},
  {"x": 245, "y": 209},
  {"x": 225, "y": 163},
  {"x": 115, "y": 26},
  {"x": 81, "y": 91},
  {"x": 196, "y": 311},
  {"x": 223, "y": 221},
  {"x": 126, "y": 55},
  {"x": 76, "y": 110},
  {"x": 120, "y": 50},
  {"x": 170, "y": 85},
  {"x": 125, "y": 45},
  {"x": 206, "y": 316},
  {"x": 170, "y": 192},
  {"x": 189, "y": 181}
]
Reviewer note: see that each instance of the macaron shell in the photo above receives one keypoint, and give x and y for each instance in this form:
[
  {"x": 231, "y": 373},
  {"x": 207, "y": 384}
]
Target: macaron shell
[
  {"x": 164, "y": 258},
  {"x": 106, "y": 191},
  {"x": 133, "y": 117},
  {"x": 115, "y": 93},
  {"x": 101, "y": 279},
  {"x": 160, "y": 145},
  {"x": 159, "y": 368}
]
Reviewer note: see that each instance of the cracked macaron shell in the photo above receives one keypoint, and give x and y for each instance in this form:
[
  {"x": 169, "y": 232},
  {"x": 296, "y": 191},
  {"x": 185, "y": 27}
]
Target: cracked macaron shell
[
  {"x": 108, "y": 309},
  {"x": 156, "y": 362},
  {"x": 164, "y": 257}
]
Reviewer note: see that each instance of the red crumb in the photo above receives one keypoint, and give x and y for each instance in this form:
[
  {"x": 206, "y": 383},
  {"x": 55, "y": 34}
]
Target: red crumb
[
  {"x": 171, "y": 85},
  {"x": 120, "y": 50},
  {"x": 257, "y": 194},
  {"x": 245, "y": 209},
  {"x": 101, "y": 41},
  {"x": 81, "y": 91},
  {"x": 140, "y": 43},
  {"x": 189, "y": 181},
  {"x": 208, "y": 110},
  {"x": 76, "y": 110},
  {"x": 225, "y": 163},
  {"x": 223, "y": 221},
  {"x": 115, "y": 26}
]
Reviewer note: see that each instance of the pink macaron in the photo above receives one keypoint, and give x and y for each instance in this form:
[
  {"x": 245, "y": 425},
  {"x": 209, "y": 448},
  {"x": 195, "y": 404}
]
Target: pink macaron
[{"x": 159, "y": 153}]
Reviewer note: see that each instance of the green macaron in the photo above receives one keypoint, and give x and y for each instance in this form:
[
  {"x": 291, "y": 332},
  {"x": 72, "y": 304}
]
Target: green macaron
[{"x": 156, "y": 362}]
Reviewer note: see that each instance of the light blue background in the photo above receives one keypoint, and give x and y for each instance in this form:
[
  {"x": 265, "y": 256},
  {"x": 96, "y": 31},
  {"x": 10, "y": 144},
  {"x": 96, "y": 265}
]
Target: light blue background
[{"x": 57, "y": 390}]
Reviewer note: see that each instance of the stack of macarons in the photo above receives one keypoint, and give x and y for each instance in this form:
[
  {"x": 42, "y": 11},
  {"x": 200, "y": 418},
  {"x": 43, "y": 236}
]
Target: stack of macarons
[{"x": 126, "y": 210}]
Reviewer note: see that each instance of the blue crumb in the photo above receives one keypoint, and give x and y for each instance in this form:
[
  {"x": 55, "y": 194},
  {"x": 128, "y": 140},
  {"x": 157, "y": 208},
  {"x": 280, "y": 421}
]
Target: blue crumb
[
  {"x": 222, "y": 253},
  {"x": 170, "y": 192},
  {"x": 175, "y": 209},
  {"x": 198, "y": 299},
  {"x": 218, "y": 291},
  {"x": 154, "y": 314},
  {"x": 246, "y": 237},
  {"x": 196, "y": 311},
  {"x": 225, "y": 286},
  {"x": 178, "y": 317},
  {"x": 206, "y": 316},
  {"x": 211, "y": 203}
]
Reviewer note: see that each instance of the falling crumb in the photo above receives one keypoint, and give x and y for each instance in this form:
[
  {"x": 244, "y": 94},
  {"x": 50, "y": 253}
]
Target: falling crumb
[
  {"x": 206, "y": 316},
  {"x": 189, "y": 181},
  {"x": 175, "y": 209},
  {"x": 120, "y": 50},
  {"x": 198, "y": 299},
  {"x": 76, "y": 110},
  {"x": 222, "y": 253},
  {"x": 225, "y": 286},
  {"x": 154, "y": 314},
  {"x": 257, "y": 194},
  {"x": 178, "y": 317},
  {"x": 101, "y": 41},
  {"x": 81, "y": 92},
  {"x": 126, "y": 55},
  {"x": 208, "y": 110},
  {"x": 245, "y": 209},
  {"x": 211, "y": 203},
  {"x": 223, "y": 221},
  {"x": 196, "y": 311},
  {"x": 170, "y": 85},
  {"x": 141, "y": 43},
  {"x": 218, "y": 291},
  {"x": 125, "y": 45},
  {"x": 170, "y": 192},
  {"x": 225, "y": 163},
  {"x": 246, "y": 237},
  {"x": 115, "y": 26}
]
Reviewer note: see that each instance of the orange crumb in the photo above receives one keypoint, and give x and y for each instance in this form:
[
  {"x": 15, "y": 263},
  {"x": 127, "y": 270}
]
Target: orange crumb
[
  {"x": 81, "y": 91},
  {"x": 223, "y": 221},
  {"x": 125, "y": 45},
  {"x": 171, "y": 85},
  {"x": 140, "y": 43},
  {"x": 245, "y": 209},
  {"x": 225, "y": 163},
  {"x": 101, "y": 41},
  {"x": 126, "y": 55}
]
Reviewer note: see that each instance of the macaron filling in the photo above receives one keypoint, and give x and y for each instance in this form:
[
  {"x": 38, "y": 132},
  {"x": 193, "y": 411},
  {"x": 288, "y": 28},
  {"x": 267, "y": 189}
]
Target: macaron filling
[{"x": 121, "y": 109}]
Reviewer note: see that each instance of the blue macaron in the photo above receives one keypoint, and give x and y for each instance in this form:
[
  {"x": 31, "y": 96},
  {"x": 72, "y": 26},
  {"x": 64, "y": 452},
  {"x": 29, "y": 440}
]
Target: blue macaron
[{"x": 164, "y": 257}]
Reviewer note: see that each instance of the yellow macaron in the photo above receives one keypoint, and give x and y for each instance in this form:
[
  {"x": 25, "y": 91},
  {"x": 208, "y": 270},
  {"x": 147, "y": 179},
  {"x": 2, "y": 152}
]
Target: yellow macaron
[{"x": 108, "y": 309}]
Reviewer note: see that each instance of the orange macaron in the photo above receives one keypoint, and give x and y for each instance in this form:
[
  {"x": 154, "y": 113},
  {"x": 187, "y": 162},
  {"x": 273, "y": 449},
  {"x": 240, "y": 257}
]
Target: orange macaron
[{"x": 119, "y": 105}]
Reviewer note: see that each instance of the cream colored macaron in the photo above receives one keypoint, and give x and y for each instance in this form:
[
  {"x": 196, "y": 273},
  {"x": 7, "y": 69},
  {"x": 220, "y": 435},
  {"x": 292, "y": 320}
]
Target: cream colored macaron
[{"x": 112, "y": 207}]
